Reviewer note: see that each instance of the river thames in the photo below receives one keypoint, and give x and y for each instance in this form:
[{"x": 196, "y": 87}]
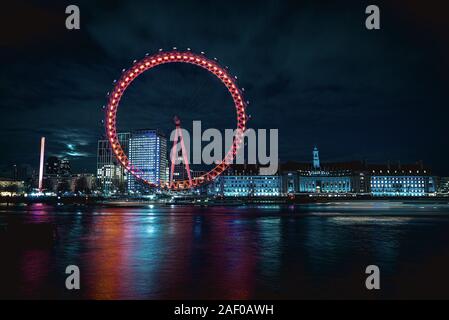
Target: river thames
[{"x": 234, "y": 252}]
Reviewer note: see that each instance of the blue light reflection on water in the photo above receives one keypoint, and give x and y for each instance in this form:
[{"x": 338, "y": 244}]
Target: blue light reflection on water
[{"x": 232, "y": 252}]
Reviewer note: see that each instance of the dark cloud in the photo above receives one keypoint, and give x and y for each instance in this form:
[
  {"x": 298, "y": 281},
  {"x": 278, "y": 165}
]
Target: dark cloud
[{"x": 310, "y": 69}]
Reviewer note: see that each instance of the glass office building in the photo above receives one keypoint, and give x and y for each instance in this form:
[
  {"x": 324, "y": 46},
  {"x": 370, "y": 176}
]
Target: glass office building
[{"x": 148, "y": 153}]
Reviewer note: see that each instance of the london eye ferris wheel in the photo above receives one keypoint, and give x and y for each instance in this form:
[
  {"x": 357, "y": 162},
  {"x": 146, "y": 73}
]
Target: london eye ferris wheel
[{"x": 175, "y": 56}]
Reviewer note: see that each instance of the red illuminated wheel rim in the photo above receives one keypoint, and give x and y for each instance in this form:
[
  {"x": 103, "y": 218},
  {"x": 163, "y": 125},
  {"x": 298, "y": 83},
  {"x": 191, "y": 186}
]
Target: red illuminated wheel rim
[{"x": 152, "y": 61}]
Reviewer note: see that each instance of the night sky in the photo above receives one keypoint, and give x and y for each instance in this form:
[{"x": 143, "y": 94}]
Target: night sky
[{"x": 309, "y": 68}]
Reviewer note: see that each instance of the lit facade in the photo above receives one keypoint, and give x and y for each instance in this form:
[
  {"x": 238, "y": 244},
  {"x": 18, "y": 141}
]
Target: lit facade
[
  {"x": 325, "y": 184},
  {"x": 398, "y": 184},
  {"x": 111, "y": 176},
  {"x": 245, "y": 181},
  {"x": 386, "y": 180},
  {"x": 148, "y": 153},
  {"x": 330, "y": 179},
  {"x": 9, "y": 187},
  {"x": 250, "y": 186},
  {"x": 290, "y": 182}
]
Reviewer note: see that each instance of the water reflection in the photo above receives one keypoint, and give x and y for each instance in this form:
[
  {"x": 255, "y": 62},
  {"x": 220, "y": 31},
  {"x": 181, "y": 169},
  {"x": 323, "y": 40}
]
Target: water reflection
[{"x": 224, "y": 252}]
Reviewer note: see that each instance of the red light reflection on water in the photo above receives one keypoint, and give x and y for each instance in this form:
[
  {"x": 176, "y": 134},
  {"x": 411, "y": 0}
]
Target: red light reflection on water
[{"x": 167, "y": 256}]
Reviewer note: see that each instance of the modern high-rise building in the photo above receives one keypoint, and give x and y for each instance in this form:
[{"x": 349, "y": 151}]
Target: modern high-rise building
[
  {"x": 148, "y": 154},
  {"x": 111, "y": 176}
]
